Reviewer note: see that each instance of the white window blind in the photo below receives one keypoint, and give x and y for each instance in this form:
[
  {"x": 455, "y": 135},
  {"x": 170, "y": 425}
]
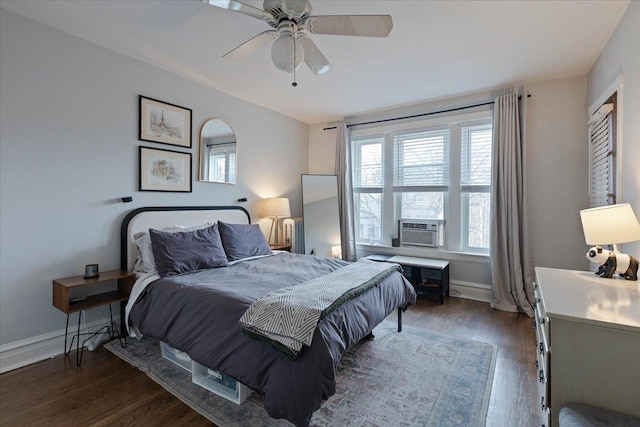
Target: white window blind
[
  {"x": 602, "y": 156},
  {"x": 421, "y": 161}
]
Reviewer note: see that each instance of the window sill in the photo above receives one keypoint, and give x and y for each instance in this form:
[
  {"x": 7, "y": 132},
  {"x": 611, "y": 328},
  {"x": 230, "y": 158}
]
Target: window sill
[{"x": 424, "y": 253}]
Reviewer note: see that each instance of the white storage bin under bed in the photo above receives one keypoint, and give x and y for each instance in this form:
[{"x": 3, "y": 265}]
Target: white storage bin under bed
[{"x": 210, "y": 379}]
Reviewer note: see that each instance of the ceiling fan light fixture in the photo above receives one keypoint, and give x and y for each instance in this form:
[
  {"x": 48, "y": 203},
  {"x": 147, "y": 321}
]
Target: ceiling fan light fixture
[
  {"x": 286, "y": 52},
  {"x": 291, "y": 22}
]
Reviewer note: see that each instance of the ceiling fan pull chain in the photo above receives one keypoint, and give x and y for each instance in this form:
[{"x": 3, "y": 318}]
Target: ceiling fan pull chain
[{"x": 295, "y": 53}]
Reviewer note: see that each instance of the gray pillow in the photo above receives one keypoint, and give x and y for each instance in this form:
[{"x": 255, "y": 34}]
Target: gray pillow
[
  {"x": 145, "y": 262},
  {"x": 180, "y": 252},
  {"x": 243, "y": 240}
]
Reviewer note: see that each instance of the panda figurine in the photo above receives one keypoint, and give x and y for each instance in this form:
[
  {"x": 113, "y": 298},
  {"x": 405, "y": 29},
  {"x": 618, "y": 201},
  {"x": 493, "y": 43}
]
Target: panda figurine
[{"x": 613, "y": 262}]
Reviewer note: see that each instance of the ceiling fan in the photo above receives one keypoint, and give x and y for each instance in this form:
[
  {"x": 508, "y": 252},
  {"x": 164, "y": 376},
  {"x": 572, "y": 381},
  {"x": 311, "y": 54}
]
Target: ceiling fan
[{"x": 292, "y": 23}]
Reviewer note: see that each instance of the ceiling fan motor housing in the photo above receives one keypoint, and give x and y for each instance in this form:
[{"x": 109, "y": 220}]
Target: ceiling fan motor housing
[{"x": 297, "y": 11}]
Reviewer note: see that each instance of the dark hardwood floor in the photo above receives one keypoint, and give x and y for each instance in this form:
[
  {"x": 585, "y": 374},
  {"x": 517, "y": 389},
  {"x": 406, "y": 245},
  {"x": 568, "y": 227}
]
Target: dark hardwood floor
[{"x": 107, "y": 391}]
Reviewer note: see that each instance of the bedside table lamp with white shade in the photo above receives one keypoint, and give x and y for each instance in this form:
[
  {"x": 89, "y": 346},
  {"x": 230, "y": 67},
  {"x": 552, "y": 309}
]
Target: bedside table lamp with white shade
[
  {"x": 336, "y": 251},
  {"x": 611, "y": 225},
  {"x": 275, "y": 208}
]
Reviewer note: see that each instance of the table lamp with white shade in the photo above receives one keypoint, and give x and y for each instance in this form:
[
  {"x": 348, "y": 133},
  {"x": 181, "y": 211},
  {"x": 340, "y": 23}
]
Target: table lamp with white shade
[
  {"x": 275, "y": 208},
  {"x": 611, "y": 225},
  {"x": 336, "y": 251}
]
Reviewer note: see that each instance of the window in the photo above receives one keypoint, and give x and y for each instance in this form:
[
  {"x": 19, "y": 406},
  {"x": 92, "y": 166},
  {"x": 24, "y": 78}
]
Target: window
[
  {"x": 368, "y": 179},
  {"x": 221, "y": 162},
  {"x": 440, "y": 170},
  {"x": 602, "y": 154},
  {"x": 421, "y": 173},
  {"x": 475, "y": 185}
]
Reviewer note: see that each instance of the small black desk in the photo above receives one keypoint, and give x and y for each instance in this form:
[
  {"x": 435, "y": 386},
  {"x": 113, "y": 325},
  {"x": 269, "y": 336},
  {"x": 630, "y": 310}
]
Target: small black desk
[{"x": 428, "y": 276}]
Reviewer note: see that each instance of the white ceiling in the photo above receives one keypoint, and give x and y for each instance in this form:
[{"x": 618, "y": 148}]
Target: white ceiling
[{"x": 436, "y": 48}]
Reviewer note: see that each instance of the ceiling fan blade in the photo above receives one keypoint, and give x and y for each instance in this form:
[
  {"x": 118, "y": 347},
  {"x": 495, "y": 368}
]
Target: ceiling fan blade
[
  {"x": 242, "y": 8},
  {"x": 251, "y": 45},
  {"x": 314, "y": 59},
  {"x": 351, "y": 25}
]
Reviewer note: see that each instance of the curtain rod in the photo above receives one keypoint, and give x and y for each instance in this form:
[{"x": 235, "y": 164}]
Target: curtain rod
[{"x": 422, "y": 114}]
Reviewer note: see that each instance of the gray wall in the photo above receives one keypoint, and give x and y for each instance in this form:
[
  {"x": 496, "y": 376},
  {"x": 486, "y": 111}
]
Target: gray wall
[
  {"x": 557, "y": 172},
  {"x": 69, "y": 151},
  {"x": 622, "y": 55}
]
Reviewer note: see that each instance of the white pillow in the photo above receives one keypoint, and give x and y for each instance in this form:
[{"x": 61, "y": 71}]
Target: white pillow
[{"x": 144, "y": 261}]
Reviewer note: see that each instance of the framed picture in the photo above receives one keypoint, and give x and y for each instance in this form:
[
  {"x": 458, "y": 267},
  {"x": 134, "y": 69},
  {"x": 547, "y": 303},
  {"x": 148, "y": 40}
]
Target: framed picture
[
  {"x": 164, "y": 123},
  {"x": 164, "y": 170}
]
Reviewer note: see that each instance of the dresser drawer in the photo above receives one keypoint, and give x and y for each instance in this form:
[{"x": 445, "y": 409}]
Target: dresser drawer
[
  {"x": 541, "y": 322},
  {"x": 543, "y": 380},
  {"x": 542, "y": 338},
  {"x": 541, "y": 325},
  {"x": 543, "y": 388},
  {"x": 546, "y": 417}
]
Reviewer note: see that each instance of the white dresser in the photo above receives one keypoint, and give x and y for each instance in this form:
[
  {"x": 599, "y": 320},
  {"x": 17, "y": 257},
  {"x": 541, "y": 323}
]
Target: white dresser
[{"x": 588, "y": 341}]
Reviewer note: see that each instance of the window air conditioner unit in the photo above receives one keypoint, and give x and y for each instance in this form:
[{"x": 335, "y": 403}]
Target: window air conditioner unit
[{"x": 420, "y": 232}]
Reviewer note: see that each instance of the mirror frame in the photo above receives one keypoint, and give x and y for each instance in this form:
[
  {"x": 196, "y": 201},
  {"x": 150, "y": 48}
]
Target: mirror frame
[{"x": 201, "y": 149}]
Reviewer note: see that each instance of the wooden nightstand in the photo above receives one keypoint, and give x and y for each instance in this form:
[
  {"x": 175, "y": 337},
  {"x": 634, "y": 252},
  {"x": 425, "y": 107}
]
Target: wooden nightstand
[
  {"x": 280, "y": 248},
  {"x": 65, "y": 303}
]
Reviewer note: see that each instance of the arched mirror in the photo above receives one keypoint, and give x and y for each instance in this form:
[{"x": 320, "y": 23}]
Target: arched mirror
[{"x": 217, "y": 152}]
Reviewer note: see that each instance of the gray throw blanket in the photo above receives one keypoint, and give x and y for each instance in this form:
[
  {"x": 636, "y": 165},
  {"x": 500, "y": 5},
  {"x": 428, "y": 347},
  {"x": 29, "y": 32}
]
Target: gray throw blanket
[{"x": 287, "y": 318}]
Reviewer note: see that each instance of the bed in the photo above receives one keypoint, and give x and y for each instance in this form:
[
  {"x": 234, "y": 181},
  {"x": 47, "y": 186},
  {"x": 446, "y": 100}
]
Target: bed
[{"x": 198, "y": 312}]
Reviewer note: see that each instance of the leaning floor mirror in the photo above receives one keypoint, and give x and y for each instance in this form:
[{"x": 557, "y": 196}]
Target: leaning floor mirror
[
  {"x": 217, "y": 152},
  {"x": 321, "y": 215}
]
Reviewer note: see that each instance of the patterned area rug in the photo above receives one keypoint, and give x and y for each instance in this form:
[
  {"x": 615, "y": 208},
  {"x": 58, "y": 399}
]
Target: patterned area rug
[{"x": 412, "y": 378}]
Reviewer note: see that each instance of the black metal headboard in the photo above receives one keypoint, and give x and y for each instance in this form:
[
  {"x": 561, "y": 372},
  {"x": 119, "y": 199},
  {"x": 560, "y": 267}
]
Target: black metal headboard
[{"x": 169, "y": 216}]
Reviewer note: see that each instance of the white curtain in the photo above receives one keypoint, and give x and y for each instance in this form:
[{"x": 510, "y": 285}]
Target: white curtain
[
  {"x": 510, "y": 264},
  {"x": 345, "y": 192}
]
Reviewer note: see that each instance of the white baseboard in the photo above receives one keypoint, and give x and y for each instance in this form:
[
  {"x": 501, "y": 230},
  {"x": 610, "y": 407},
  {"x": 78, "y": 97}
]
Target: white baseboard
[
  {"x": 31, "y": 350},
  {"x": 470, "y": 290}
]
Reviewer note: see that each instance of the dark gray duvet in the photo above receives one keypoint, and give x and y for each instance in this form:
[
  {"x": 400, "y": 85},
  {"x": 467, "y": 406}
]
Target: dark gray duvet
[{"x": 198, "y": 313}]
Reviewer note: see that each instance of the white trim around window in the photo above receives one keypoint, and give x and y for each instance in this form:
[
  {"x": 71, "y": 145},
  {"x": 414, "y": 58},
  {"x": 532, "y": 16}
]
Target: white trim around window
[
  {"x": 392, "y": 176},
  {"x": 616, "y": 86}
]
